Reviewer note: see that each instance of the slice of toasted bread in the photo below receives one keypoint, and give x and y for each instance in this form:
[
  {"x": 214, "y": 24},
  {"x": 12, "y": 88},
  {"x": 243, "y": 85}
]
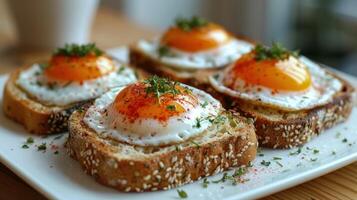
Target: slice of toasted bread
[
  {"x": 136, "y": 168},
  {"x": 34, "y": 116},
  {"x": 286, "y": 129},
  {"x": 197, "y": 78}
]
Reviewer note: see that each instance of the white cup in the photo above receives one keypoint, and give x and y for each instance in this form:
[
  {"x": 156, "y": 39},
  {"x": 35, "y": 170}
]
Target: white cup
[{"x": 48, "y": 24}]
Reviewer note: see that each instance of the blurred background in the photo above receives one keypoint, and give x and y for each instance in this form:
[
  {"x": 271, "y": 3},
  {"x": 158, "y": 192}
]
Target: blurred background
[{"x": 324, "y": 30}]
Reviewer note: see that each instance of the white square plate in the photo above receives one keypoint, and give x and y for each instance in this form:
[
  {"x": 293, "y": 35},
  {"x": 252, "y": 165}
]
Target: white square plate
[{"x": 59, "y": 177}]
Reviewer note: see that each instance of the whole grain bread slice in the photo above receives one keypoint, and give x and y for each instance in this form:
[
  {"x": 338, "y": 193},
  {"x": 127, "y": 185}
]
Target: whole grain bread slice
[
  {"x": 196, "y": 78},
  {"x": 36, "y": 117},
  {"x": 287, "y": 129},
  {"x": 130, "y": 168}
]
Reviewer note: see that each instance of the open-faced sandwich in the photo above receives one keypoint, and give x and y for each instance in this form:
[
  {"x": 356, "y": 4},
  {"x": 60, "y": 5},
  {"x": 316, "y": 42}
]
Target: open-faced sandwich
[
  {"x": 42, "y": 96},
  {"x": 289, "y": 97},
  {"x": 189, "y": 51},
  {"x": 158, "y": 134}
]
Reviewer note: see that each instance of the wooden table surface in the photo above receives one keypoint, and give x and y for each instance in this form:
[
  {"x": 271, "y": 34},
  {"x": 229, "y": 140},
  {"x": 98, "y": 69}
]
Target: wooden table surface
[{"x": 111, "y": 29}]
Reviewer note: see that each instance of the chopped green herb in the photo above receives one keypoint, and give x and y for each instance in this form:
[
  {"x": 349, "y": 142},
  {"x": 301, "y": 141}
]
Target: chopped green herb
[
  {"x": 171, "y": 107},
  {"x": 198, "y": 123},
  {"x": 316, "y": 151},
  {"x": 30, "y": 140},
  {"x": 224, "y": 178},
  {"x": 25, "y": 146},
  {"x": 345, "y": 140},
  {"x": 239, "y": 172},
  {"x": 178, "y": 148},
  {"x": 205, "y": 183},
  {"x": 277, "y": 158},
  {"x": 203, "y": 105},
  {"x": 278, "y": 163},
  {"x": 78, "y": 50},
  {"x": 265, "y": 163},
  {"x": 161, "y": 86},
  {"x": 182, "y": 194},
  {"x": 189, "y": 24},
  {"x": 333, "y": 153},
  {"x": 196, "y": 144},
  {"x": 277, "y": 51},
  {"x": 313, "y": 159},
  {"x": 297, "y": 152},
  {"x": 261, "y": 154},
  {"x": 164, "y": 51},
  {"x": 42, "y": 147},
  {"x": 57, "y": 137},
  {"x": 43, "y": 66},
  {"x": 121, "y": 70}
]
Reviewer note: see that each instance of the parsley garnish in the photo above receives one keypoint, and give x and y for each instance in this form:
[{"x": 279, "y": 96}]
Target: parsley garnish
[
  {"x": 316, "y": 151},
  {"x": 344, "y": 140},
  {"x": 205, "y": 183},
  {"x": 171, "y": 107},
  {"x": 161, "y": 86},
  {"x": 182, "y": 194},
  {"x": 313, "y": 159},
  {"x": 189, "y": 24},
  {"x": 121, "y": 69},
  {"x": 277, "y": 51},
  {"x": 195, "y": 143},
  {"x": 223, "y": 179},
  {"x": 297, "y": 152},
  {"x": 277, "y": 158},
  {"x": 164, "y": 51},
  {"x": 203, "y": 105},
  {"x": 42, "y": 147},
  {"x": 43, "y": 66},
  {"x": 198, "y": 123},
  {"x": 265, "y": 163},
  {"x": 30, "y": 140},
  {"x": 278, "y": 163},
  {"x": 78, "y": 50},
  {"x": 239, "y": 172}
]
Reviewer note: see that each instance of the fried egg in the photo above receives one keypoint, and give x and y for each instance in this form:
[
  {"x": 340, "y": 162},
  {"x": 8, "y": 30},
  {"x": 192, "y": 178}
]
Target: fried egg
[
  {"x": 209, "y": 46},
  {"x": 132, "y": 115},
  {"x": 291, "y": 84},
  {"x": 68, "y": 80}
]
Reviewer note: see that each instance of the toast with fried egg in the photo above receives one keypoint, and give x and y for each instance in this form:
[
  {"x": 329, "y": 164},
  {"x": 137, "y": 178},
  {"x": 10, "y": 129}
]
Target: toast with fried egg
[
  {"x": 189, "y": 52},
  {"x": 42, "y": 97},
  {"x": 155, "y": 135},
  {"x": 290, "y": 98}
]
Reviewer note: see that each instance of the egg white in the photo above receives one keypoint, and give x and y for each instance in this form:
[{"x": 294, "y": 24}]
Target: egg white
[
  {"x": 33, "y": 81},
  {"x": 213, "y": 58},
  {"x": 324, "y": 87},
  {"x": 103, "y": 120}
]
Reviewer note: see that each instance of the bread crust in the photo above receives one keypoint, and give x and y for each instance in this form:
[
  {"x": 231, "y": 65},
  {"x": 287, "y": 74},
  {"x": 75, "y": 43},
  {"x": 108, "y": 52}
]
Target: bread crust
[
  {"x": 157, "y": 171},
  {"x": 284, "y": 129}
]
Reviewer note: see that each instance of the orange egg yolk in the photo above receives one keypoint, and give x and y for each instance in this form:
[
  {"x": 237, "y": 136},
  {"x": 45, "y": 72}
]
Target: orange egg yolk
[
  {"x": 134, "y": 103},
  {"x": 290, "y": 76},
  {"x": 198, "y": 39},
  {"x": 75, "y": 68}
]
